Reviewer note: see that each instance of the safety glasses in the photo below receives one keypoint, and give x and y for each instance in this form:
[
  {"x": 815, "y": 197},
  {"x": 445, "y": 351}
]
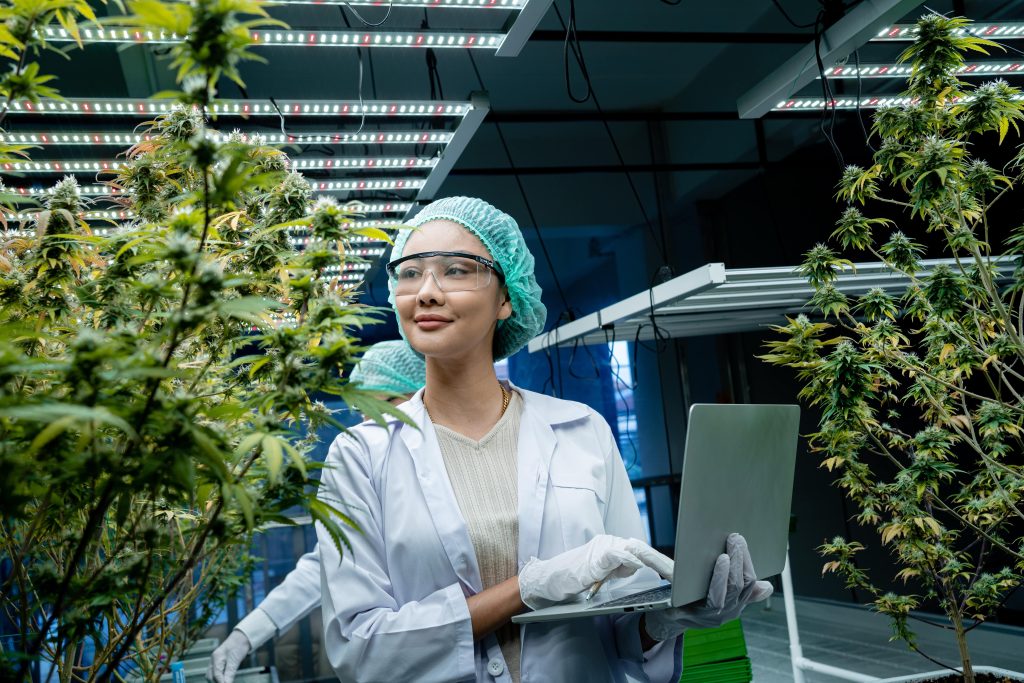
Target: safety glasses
[{"x": 453, "y": 271}]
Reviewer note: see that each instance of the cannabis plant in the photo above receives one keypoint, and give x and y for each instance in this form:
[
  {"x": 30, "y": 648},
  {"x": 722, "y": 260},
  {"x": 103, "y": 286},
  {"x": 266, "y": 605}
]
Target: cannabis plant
[
  {"x": 160, "y": 381},
  {"x": 921, "y": 392}
]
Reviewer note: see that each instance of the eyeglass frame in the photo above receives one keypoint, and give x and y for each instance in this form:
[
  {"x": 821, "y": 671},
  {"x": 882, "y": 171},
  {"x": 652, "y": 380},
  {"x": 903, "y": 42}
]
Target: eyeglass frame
[{"x": 391, "y": 266}]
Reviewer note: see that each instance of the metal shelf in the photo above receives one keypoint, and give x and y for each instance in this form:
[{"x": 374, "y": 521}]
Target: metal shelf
[{"x": 713, "y": 299}]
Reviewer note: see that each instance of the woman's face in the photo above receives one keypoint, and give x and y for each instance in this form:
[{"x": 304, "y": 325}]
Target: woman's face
[{"x": 450, "y": 324}]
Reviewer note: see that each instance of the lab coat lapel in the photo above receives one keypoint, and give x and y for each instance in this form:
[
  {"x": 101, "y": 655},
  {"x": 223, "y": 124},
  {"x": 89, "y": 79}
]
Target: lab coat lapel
[
  {"x": 437, "y": 491},
  {"x": 536, "y": 445}
]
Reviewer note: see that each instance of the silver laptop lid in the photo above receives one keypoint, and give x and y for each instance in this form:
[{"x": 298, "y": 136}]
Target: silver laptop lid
[{"x": 737, "y": 477}]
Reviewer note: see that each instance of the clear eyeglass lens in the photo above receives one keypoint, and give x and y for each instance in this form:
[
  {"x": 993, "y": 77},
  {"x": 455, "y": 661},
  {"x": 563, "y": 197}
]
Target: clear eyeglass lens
[{"x": 452, "y": 274}]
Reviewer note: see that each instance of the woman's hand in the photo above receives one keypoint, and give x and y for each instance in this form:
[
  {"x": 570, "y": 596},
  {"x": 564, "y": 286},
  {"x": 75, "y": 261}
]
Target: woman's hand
[
  {"x": 545, "y": 582},
  {"x": 734, "y": 585}
]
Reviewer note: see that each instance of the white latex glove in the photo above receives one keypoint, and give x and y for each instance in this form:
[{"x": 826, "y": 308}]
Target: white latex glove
[
  {"x": 545, "y": 582},
  {"x": 734, "y": 585},
  {"x": 225, "y": 660}
]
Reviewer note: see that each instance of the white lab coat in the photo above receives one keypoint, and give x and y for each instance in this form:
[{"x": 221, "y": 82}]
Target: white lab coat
[{"x": 394, "y": 607}]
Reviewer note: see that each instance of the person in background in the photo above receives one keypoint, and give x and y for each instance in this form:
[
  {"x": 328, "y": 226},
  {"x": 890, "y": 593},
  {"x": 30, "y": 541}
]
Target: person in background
[
  {"x": 396, "y": 372},
  {"x": 495, "y": 500}
]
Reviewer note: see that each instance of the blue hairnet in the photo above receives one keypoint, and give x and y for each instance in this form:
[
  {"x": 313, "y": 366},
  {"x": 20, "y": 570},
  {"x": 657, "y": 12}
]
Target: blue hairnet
[
  {"x": 503, "y": 239},
  {"x": 390, "y": 366}
]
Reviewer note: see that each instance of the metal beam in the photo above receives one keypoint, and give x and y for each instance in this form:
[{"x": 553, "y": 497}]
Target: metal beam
[
  {"x": 675, "y": 37},
  {"x": 612, "y": 168},
  {"x": 845, "y": 36},
  {"x": 523, "y": 27},
  {"x": 571, "y": 116},
  {"x": 467, "y": 128}
]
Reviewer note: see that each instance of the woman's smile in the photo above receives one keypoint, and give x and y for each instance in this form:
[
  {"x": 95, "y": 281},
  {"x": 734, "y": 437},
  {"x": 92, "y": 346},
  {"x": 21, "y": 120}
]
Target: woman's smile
[{"x": 431, "y": 321}]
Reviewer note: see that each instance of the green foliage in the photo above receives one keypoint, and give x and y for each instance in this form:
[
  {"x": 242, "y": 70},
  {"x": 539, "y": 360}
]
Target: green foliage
[
  {"x": 160, "y": 387},
  {"x": 921, "y": 392}
]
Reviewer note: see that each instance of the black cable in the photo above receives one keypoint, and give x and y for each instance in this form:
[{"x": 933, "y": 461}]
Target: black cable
[
  {"x": 657, "y": 191},
  {"x": 781, "y": 9},
  {"x": 826, "y": 90},
  {"x": 578, "y": 50},
  {"x": 391, "y": 5},
  {"x": 593, "y": 361},
  {"x": 298, "y": 138},
  {"x": 550, "y": 381},
  {"x": 522, "y": 191},
  {"x": 860, "y": 118},
  {"x": 673, "y": 4},
  {"x": 572, "y": 40}
]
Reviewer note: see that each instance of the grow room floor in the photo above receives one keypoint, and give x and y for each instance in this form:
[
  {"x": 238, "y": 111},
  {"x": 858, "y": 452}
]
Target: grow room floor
[{"x": 855, "y": 639}]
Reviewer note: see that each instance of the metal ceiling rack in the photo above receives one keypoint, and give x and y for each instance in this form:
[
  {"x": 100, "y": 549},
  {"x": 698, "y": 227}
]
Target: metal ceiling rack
[
  {"x": 520, "y": 19},
  {"x": 713, "y": 299},
  {"x": 348, "y": 176},
  {"x": 869, "y": 21}
]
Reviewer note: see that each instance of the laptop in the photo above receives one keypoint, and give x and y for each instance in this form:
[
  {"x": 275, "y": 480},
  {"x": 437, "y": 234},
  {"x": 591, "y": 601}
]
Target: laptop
[{"x": 737, "y": 476}]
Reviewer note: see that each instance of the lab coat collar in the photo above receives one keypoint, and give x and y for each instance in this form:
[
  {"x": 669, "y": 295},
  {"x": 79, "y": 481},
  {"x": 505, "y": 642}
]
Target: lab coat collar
[
  {"x": 536, "y": 445},
  {"x": 550, "y": 410}
]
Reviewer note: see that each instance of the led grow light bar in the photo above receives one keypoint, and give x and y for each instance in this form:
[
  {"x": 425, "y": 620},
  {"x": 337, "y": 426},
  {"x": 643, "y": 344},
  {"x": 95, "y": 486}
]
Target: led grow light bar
[
  {"x": 338, "y": 163},
  {"x": 107, "y": 215},
  {"x": 295, "y": 38},
  {"x": 361, "y": 185},
  {"x": 1004, "y": 30},
  {"x": 867, "y": 71},
  {"x": 816, "y": 104},
  {"x": 116, "y": 138},
  {"x": 141, "y": 107}
]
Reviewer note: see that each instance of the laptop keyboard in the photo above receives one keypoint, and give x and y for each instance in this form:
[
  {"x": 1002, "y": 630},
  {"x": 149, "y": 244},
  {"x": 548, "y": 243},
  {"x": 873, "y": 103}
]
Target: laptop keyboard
[{"x": 642, "y": 598}]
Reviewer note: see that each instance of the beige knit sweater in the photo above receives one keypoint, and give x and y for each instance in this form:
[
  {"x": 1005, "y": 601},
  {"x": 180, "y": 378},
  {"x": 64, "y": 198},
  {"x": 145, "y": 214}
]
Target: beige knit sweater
[{"x": 483, "y": 475}]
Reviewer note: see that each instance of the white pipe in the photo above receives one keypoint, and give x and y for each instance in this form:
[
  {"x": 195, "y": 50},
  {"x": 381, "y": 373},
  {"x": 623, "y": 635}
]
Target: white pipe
[
  {"x": 845, "y": 674},
  {"x": 796, "y": 653}
]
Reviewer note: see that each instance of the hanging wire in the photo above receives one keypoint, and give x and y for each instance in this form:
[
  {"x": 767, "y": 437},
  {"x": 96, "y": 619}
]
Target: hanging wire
[
  {"x": 826, "y": 91},
  {"x": 860, "y": 117},
  {"x": 522, "y": 191},
  {"x": 572, "y": 41},
  {"x": 785, "y": 14},
  {"x": 391, "y": 5},
  {"x": 577, "y": 50},
  {"x": 297, "y": 137}
]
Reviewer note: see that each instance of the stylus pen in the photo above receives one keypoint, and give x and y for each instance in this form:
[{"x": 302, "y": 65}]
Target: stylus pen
[{"x": 593, "y": 590}]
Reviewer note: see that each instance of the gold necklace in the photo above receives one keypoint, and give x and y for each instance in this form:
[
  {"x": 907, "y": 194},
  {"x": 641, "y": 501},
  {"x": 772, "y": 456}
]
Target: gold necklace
[{"x": 505, "y": 398}]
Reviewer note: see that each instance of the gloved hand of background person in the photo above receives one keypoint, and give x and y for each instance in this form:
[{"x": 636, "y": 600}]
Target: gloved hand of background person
[
  {"x": 225, "y": 660},
  {"x": 734, "y": 585},
  {"x": 544, "y": 582}
]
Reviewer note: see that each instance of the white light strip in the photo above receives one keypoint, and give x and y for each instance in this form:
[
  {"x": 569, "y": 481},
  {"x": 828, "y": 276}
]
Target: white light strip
[
  {"x": 344, "y": 163},
  {"x": 378, "y": 207},
  {"x": 368, "y": 185},
  {"x": 816, "y": 104},
  {"x": 290, "y": 38},
  {"x": 24, "y": 216},
  {"x": 1007, "y": 30},
  {"x": 850, "y": 71},
  {"x": 362, "y": 185},
  {"x": 361, "y": 251},
  {"x": 112, "y": 138},
  {"x": 468, "y": 4},
  {"x": 382, "y": 163},
  {"x": 135, "y": 107}
]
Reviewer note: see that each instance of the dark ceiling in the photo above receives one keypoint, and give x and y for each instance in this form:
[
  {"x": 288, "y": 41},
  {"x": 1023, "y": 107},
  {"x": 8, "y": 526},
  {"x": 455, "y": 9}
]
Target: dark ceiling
[{"x": 666, "y": 77}]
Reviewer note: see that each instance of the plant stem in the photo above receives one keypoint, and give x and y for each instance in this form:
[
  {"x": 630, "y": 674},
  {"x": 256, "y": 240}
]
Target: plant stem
[{"x": 961, "y": 643}]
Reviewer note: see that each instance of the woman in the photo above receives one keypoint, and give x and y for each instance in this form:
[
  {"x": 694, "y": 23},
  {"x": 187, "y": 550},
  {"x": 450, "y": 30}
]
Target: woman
[{"x": 456, "y": 512}]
